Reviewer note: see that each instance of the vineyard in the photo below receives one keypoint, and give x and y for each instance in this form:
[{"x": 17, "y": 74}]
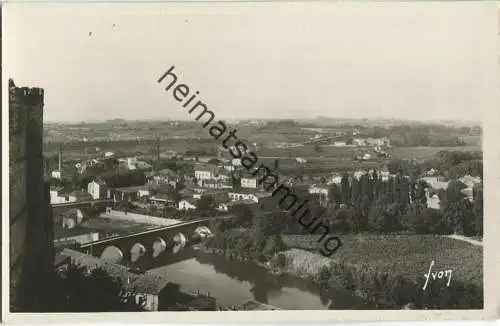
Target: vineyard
[{"x": 406, "y": 255}]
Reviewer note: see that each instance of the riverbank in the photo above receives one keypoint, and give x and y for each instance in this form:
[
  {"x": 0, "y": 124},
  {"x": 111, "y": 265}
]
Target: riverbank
[{"x": 379, "y": 277}]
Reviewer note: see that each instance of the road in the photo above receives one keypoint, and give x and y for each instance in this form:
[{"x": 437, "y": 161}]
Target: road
[{"x": 469, "y": 240}]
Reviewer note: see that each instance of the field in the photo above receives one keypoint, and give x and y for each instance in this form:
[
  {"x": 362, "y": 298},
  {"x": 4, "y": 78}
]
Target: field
[{"x": 405, "y": 255}]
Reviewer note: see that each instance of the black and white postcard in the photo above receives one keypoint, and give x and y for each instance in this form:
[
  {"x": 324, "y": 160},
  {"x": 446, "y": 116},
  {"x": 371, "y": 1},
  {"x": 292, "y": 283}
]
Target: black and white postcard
[{"x": 250, "y": 161}]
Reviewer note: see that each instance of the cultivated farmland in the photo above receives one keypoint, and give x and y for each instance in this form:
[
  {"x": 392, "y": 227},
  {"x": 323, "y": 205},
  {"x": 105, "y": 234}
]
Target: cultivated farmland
[{"x": 405, "y": 255}]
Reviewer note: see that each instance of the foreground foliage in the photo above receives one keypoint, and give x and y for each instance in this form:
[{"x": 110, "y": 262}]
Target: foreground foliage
[{"x": 97, "y": 291}]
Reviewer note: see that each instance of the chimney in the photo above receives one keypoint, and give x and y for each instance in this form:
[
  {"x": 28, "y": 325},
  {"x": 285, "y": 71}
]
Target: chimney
[{"x": 60, "y": 159}]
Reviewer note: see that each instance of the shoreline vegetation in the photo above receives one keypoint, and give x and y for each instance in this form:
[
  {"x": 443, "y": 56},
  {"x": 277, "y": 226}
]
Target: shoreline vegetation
[{"x": 386, "y": 289}]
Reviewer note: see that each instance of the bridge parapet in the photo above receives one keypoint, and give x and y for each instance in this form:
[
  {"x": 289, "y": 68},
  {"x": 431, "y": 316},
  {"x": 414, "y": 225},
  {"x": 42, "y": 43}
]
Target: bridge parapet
[{"x": 129, "y": 248}]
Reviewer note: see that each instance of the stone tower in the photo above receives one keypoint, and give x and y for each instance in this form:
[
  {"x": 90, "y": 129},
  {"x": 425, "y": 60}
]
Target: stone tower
[{"x": 30, "y": 223}]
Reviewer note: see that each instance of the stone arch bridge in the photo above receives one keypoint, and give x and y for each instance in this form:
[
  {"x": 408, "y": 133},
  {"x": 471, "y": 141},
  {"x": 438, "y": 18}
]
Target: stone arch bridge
[{"x": 150, "y": 243}]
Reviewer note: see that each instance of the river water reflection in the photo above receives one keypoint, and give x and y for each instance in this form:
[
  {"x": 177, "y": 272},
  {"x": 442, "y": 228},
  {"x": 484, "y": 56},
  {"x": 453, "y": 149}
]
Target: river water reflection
[{"x": 232, "y": 282}]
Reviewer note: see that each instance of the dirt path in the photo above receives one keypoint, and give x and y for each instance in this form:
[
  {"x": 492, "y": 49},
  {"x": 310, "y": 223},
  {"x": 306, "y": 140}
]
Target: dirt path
[{"x": 462, "y": 238}]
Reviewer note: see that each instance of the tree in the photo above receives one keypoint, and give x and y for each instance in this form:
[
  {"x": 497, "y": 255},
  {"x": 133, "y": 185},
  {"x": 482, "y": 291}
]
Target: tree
[
  {"x": 345, "y": 189},
  {"x": 243, "y": 214},
  {"x": 478, "y": 208},
  {"x": 424, "y": 220},
  {"x": 343, "y": 220},
  {"x": 383, "y": 215},
  {"x": 334, "y": 195},
  {"x": 206, "y": 204}
]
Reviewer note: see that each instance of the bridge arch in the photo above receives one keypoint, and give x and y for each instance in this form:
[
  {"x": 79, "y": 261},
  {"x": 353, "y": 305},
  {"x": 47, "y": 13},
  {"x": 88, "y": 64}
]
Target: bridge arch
[
  {"x": 180, "y": 241},
  {"x": 159, "y": 246},
  {"x": 112, "y": 254},
  {"x": 137, "y": 251}
]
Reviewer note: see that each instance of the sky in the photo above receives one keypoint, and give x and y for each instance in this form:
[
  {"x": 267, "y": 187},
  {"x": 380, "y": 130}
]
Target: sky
[{"x": 427, "y": 60}]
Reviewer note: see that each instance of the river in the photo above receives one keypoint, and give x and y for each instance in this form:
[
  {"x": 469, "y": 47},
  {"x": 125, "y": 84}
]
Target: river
[{"x": 232, "y": 282}]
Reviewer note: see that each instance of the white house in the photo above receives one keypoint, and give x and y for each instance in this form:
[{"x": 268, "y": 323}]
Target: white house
[
  {"x": 317, "y": 189},
  {"x": 436, "y": 182},
  {"x": 215, "y": 184},
  {"x": 162, "y": 200},
  {"x": 187, "y": 204},
  {"x": 432, "y": 200},
  {"x": 143, "y": 193},
  {"x": 470, "y": 181},
  {"x": 250, "y": 183},
  {"x": 57, "y": 174},
  {"x": 209, "y": 172},
  {"x": 339, "y": 144},
  {"x": 335, "y": 179},
  {"x": 384, "y": 174},
  {"x": 109, "y": 154},
  {"x": 236, "y": 162},
  {"x": 56, "y": 195},
  {"x": 301, "y": 160},
  {"x": 228, "y": 167},
  {"x": 203, "y": 173},
  {"x": 252, "y": 196},
  {"x": 222, "y": 207},
  {"x": 358, "y": 174},
  {"x": 97, "y": 189},
  {"x": 132, "y": 163}
]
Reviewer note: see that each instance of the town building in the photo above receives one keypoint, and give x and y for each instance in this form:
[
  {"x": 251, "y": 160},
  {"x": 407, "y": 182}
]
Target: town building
[
  {"x": 97, "y": 189},
  {"x": 204, "y": 159},
  {"x": 301, "y": 160},
  {"x": 132, "y": 193},
  {"x": 188, "y": 204},
  {"x": 57, "y": 174},
  {"x": 209, "y": 172},
  {"x": 470, "y": 181},
  {"x": 435, "y": 182},
  {"x": 247, "y": 194},
  {"x": 223, "y": 183},
  {"x": 56, "y": 195},
  {"x": 162, "y": 200},
  {"x": 249, "y": 182},
  {"x": 335, "y": 179},
  {"x": 59, "y": 196},
  {"x": 318, "y": 189},
  {"x": 204, "y": 172},
  {"x": 433, "y": 200}
]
